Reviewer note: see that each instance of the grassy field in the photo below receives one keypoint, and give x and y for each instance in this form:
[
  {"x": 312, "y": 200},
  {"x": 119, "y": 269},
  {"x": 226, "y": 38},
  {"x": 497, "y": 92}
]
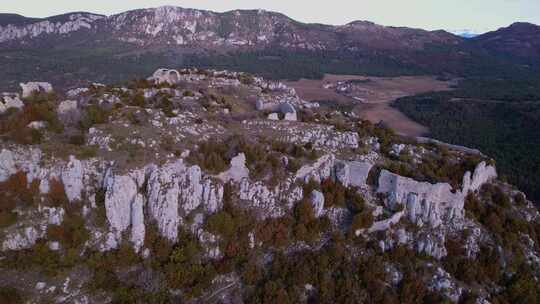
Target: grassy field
[{"x": 376, "y": 93}]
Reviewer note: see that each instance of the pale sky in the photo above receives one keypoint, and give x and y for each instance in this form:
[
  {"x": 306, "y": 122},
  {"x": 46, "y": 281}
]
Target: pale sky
[{"x": 479, "y": 15}]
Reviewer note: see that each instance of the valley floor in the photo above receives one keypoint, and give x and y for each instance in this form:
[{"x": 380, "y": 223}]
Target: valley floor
[{"x": 371, "y": 97}]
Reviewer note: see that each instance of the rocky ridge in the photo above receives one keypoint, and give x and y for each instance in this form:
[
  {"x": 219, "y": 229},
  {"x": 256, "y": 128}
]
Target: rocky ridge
[{"x": 176, "y": 157}]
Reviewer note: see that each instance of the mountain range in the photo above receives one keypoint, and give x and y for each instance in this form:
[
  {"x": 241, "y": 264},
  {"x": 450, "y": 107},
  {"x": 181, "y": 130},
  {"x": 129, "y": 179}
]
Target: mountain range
[{"x": 82, "y": 46}]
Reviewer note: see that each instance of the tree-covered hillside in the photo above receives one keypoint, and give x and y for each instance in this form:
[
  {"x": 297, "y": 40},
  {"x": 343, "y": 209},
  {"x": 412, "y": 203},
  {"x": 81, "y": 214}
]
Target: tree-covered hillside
[{"x": 499, "y": 117}]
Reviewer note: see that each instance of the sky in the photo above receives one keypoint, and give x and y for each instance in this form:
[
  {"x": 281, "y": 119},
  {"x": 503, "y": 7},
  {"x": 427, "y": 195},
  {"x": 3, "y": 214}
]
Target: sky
[{"x": 478, "y": 15}]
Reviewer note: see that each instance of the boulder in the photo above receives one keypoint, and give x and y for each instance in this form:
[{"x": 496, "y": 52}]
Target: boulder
[
  {"x": 37, "y": 125},
  {"x": 237, "y": 171},
  {"x": 273, "y": 116},
  {"x": 352, "y": 173},
  {"x": 68, "y": 112},
  {"x": 289, "y": 111},
  {"x": 30, "y": 88},
  {"x": 8, "y": 101}
]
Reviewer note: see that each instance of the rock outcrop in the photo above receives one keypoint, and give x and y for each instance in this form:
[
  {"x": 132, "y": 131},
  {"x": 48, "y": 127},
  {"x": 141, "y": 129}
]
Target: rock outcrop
[
  {"x": 72, "y": 178},
  {"x": 122, "y": 203},
  {"x": 30, "y": 88},
  {"x": 431, "y": 204},
  {"x": 7, "y": 165},
  {"x": 317, "y": 202},
  {"x": 165, "y": 76},
  {"x": 8, "y": 101},
  {"x": 72, "y": 23},
  {"x": 237, "y": 171},
  {"x": 352, "y": 173},
  {"x": 175, "y": 190}
]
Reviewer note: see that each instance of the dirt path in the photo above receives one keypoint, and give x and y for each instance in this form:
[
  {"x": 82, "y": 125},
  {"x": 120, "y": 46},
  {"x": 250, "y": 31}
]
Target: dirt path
[{"x": 377, "y": 94}]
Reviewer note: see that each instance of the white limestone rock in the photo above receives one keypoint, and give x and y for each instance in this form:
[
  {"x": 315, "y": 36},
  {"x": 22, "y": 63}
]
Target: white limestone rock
[
  {"x": 319, "y": 171},
  {"x": 72, "y": 178},
  {"x": 289, "y": 111},
  {"x": 74, "y": 22},
  {"x": 76, "y": 92},
  {"x": 54, "y": 246},
  {"x": 52, "y": 215},
  {"x": 138, "y": 228},
  {"x": 352, "y": 173},
  {"x": 384, "y": 224},
  {"x": 425, "y": 203},
  {"x": 37, "y": 125},
  {"x": 443, "y": 282},
  {"x": 121, "y": 193},
  {"x": 237, "y": 171},
  {"x": 163, "y": 195},
  {"x": 175, "y": 190},
  {"x": 482, "y": 174},
  {"x": 21, "y": 239},
  {"x": 7, "y": 165},
  {"x": 41, "y": 285},
  {"x": 432, "y": 244},
  {"x": 67, "y": 107},
  {"x": 30, "y": 88},
  {"x": 166, "y": 76},
  {"x": 273, "y": 116},
  {"x": 8, "y": 101},
  {"x": 317, "y": 202},
  {"x": 261, "y": 198}
]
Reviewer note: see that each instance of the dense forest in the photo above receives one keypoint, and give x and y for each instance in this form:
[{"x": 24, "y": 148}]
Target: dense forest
[
  {"x": 499, "y": 117},
  {"x": 72, "y": 65}
]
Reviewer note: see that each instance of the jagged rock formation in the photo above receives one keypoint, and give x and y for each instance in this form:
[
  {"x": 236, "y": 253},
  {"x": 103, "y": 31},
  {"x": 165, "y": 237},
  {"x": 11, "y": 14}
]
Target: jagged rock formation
[
  {"x": 240, "y": 28},
  {"x": 175, "y": 190},
  {"x": 167, "y": 177},
  {"x": 317, "y": 201},
  {"x": 59, "y": 25},
  {"x": 431, "y": 204}
]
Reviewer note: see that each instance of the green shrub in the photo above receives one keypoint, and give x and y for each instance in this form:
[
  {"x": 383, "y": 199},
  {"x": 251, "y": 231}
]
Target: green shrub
[
  {"x": 10, "y": 295},
  {"x": 221, "y": 223},
  {"x": 78, "y": 139},
  {"x": 57, "y": 194},
  {"x": 16, "y": 192},
  {"x": 138, "y": 100},
  {"x": 71, "y": 233},
  {"x": 94, "y": 115},
  {"x": 362, "y": 220},
  {"x": 210, "y": 156},
  {"x": 15, "y": 124},
  {"x": 334, "y": 193}
]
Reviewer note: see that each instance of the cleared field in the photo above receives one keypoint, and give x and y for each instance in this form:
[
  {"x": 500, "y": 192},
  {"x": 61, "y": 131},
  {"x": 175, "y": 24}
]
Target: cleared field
[{"x": 376, "y": 95}]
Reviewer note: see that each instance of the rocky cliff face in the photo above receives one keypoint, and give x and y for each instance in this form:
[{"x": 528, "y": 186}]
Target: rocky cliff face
[
  {"x": 179, "y": 27},
  {"x": 185, "y": 170},
  {"x": 52, "y": 26}
]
